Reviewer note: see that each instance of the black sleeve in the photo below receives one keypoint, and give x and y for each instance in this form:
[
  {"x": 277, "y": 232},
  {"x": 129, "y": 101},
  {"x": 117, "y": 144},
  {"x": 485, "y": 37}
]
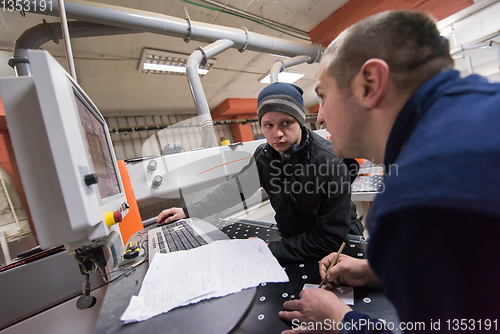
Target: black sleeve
[
  {"x": 240, "y": 187},
  {"x": 330, "y": 229},
  {"x": 440, "y": 264}
]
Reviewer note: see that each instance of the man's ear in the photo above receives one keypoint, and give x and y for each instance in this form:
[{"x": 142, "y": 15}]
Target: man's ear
[{"x": 371, "y": 82}]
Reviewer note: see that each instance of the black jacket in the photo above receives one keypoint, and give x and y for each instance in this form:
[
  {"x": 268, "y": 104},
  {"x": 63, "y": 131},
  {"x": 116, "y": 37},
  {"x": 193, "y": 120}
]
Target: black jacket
[{"x": 309, "y": 190}]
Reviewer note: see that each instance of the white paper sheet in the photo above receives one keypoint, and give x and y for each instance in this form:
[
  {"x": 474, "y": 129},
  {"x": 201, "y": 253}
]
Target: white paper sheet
[
  {"x": 214, "y": 270},
  {"x": 345, "y": 293}
]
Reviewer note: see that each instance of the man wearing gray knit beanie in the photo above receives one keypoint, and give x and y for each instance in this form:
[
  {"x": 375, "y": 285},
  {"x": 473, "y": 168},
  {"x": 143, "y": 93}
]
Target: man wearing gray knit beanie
[{"x": 308, "y": 187}]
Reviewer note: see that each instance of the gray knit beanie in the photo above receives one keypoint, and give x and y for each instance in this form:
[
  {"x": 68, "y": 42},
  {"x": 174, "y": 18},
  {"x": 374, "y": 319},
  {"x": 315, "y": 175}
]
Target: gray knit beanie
[{"x": 283, "y": 97}]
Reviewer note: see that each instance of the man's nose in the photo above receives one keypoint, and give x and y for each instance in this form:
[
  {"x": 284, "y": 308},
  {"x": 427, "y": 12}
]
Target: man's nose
[{"x": 320, "y": 120}]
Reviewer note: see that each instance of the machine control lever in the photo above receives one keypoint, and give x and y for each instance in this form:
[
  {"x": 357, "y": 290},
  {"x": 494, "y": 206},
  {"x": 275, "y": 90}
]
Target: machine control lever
[
  {"x": 152, "y": 165},
  {"x": 91, "y": 179},
  {"x": 157, "y": 180}
]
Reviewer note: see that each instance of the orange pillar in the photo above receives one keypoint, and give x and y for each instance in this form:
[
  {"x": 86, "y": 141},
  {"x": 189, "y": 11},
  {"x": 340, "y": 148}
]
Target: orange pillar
[
  {"x": 132, "y": 222},
  {"x": 237, "y": 109},
  {"x": 242, "y": 133},
  {"x": 314, "y": 109},
  {"x": 356, "y": 10}
]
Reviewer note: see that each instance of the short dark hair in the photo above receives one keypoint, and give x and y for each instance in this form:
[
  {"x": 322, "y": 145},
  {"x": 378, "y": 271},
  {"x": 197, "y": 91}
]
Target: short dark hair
[{"x": 408, "y": 41}]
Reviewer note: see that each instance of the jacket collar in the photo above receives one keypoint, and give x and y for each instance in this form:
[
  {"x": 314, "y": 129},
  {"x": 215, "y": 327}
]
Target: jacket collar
[{"x": 414, "y": 109}]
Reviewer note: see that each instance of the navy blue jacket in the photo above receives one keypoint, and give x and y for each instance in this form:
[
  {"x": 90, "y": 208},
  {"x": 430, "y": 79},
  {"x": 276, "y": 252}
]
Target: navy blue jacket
[{"x": 434, "y": 225}]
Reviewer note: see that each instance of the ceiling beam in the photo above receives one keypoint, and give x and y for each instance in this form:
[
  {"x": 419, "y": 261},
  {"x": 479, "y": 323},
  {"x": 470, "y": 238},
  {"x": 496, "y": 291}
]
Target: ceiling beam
[
  {"x": 314, "y": 109},
  {"x": 235, "y": 108},
  {"x": 356, "y": 10}
]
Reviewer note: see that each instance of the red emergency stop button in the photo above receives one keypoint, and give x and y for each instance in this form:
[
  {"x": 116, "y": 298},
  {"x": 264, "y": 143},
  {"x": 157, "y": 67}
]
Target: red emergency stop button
[
  {"x": 112, "y": 217},
  {"x": 117, "y": 215}
]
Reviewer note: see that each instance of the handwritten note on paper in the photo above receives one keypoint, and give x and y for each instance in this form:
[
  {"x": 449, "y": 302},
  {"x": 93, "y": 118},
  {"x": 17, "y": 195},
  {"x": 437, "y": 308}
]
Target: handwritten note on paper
[
  {"x": 214, "y": 270},
  {"x": 158, "y": 300},
  {"x": 345, "y": 293}
]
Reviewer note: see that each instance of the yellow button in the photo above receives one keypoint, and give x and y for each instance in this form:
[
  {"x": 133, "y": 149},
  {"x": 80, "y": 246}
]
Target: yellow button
[{"x": 109, "y": 219}]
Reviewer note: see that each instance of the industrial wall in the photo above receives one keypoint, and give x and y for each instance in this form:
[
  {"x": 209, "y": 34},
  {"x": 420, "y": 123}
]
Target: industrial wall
[
  {"x": 130, "y": 134},
  {"x": 140, "y": 136}
]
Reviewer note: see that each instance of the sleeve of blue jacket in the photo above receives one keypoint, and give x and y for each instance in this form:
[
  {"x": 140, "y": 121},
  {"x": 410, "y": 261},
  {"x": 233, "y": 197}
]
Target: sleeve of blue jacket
[{"x": 358, "y": 323}]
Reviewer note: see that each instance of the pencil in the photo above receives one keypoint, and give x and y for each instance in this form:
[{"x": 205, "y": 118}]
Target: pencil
[{"x": 334, "y": 262}]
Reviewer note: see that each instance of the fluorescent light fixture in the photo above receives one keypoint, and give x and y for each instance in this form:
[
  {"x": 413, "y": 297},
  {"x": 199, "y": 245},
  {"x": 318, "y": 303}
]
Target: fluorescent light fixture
[
  {"x": 164, "y": 62},
  {"x": 288, "y": 77},
  {"x": 170, "y": 68}
]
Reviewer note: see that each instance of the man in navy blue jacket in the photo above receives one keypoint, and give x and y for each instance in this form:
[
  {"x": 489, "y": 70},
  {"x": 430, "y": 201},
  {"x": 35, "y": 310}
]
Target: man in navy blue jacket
[{"x": 388, "y": 93}]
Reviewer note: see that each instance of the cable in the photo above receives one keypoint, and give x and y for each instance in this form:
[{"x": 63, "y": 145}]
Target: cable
[
  {"x": 243, "y": 17},
  {"x": 127, "y": 272},
  {"x": 95, "y": 266},
  {"x": 132, "y": 268}
]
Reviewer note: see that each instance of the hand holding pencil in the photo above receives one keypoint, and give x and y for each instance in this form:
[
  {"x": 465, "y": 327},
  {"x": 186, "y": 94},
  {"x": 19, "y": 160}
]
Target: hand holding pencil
[
  {"x": 339, "y": 269},
  {"x": 334, "y": 262}
]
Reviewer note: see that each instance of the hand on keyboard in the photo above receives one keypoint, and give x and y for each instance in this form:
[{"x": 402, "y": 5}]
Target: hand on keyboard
[
  {"x": 162, "y": 222},
  {"x": 170, "y": 215}
]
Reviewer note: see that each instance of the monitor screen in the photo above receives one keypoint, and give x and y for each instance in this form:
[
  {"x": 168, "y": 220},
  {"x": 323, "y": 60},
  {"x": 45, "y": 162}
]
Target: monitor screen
[
  {"x": 72, "y": 143},
  {"x": 98, "y": 148}
]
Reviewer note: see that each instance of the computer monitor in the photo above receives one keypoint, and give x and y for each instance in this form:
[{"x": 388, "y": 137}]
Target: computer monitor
[{"x": 61, "y": 143}]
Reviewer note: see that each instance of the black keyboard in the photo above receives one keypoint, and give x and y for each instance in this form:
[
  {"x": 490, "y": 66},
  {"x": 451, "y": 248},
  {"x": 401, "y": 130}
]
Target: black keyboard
[
  {"x": 178, "y": 236},
  {"x": 173, "y": 237}
]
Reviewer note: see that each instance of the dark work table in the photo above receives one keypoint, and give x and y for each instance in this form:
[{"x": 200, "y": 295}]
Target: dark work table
[
  {"x": 216, "y": 315},
  {"x": 253, "y": 310},
  {"x": 263, "y": 315}
]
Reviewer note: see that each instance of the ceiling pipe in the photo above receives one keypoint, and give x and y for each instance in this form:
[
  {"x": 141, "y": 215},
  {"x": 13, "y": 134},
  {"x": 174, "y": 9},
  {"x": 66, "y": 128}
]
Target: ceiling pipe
[
  {"x": 469, "y": 62},
  {"x": 201, "y": 55},
  {"x": 67, "y": 40},
  {"x": 35, "y": 37},
  {"x": 172, "y": 26},
  {"x": 479, "y": 45},
  {"x": 279, "y": 65},
  {"x": 496, "y": 46},
  {"x": 477, "y": 41},
  {"x": 491, "y": 44},
  {"x": 226, "y": 37}
]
